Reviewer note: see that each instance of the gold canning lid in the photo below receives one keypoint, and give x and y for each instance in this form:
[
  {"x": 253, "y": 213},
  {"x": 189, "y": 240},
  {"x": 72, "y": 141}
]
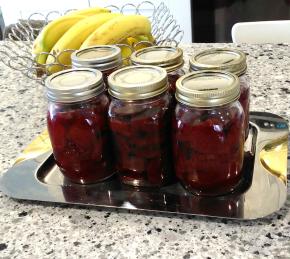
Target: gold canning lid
[
  {"x": 231, "y": 60},
  {"x": 137, "y": 82},
  {"x": 101, "y": 57},
  {"x": 170, "y": 58},
  {"x": 207, "y": 88},
  {"x": 74, "y": 85}
]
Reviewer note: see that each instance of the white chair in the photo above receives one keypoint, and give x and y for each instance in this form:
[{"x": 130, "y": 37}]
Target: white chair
[{"x": 261, "y": 32}]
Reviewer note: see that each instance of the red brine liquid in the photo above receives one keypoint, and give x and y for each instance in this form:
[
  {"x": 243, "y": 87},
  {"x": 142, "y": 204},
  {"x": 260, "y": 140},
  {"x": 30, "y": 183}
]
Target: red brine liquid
[
  {"x": 172, "y": 78},
  {"x": 141, "y": 133},
  {"x": 106, "y": 73},
  {"x": 208, "y": 148},
  {"x": 80, "y": 140},
  {"x": 245, "y": 101}
]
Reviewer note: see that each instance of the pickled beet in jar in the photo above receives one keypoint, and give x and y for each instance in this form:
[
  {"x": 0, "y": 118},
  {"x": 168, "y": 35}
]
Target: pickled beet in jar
[
  {"x": 140, "y": 120},
  {"x": 77, "y": 125},
  {"x": 105, "y": 58},
  {"x": 169, "y": 58},
  {"x": 231, "y": 60},
  {"x": 208, "y": 132}
]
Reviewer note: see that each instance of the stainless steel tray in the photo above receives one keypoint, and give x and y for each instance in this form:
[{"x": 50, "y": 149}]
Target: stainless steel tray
[{"x": 262, "y": 191}]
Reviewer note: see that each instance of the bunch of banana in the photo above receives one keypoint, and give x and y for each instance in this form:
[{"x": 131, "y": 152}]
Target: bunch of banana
[
  {"x": 56, "y": 29},
  {"x": 88, "y": 27},
  {"x": 75, "y": 36}
]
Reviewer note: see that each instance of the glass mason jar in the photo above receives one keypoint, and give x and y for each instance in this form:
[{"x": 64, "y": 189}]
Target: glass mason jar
[
  {"x": 231, "y": 60},
  {"x": 77, "y": 125},
  {"x": 105, "y": 58},
  {"x": 208, "y": 132},
  {"x": 140, "y": 120},
  {"x": 169, "y": 58}
]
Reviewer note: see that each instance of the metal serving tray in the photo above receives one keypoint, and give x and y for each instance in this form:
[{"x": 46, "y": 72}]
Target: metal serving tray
[{"x": 263, "y": 189}]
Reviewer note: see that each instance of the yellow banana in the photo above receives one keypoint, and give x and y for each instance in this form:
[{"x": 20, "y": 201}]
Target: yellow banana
[
  {"x": 51, "y": 33},
  {"x": 132, "y": 41},
  {"x": 135, "y": 43},
  {"x": 151, "y": 38},
  {"x": 89, "y": 11},
  {"x": 139, "y": 42},
  {"x": 127, "y": 51},
  {"x": 75, "y": 36},
  {"x": 119, "y": 29}
]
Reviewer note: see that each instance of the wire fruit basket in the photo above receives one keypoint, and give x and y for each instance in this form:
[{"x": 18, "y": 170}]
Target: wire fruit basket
[{"x": 15, "y": 51}]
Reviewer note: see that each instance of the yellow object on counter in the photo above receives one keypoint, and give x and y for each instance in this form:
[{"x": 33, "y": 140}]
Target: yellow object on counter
[
  {"x": 274, "y": 158},
  {"x": 38, "y": 146}
]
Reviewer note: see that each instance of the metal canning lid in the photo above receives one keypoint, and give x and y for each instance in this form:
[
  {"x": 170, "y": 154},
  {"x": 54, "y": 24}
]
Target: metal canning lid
[
  {"x": 170, "y": 58},
  {"x": 137, "y": 82},
  {"x": 207, "y": 88},
  {"x": 101, "y": 57},
  {"x": 74, "y": 85},
  {"x": 231, "y": 60}
]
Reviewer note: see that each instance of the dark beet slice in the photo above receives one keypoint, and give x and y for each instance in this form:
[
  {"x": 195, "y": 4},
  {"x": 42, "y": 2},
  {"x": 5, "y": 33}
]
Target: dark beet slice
[
  {"x": 58, "y": 139},
  {"x": 83, "y": 136},
  {"x": 120, "y": 127}
]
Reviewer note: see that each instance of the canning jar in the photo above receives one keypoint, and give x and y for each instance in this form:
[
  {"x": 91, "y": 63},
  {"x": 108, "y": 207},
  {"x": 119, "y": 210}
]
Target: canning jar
[
  {"x": 77, "y": 125},
  {"x": 105, "y": 58},
  {"x": 231, "y": 60},
  {"x": 208, "y": 132},
  {"x": 169, "y": 58},
  {"x": 140, "y": 120}
]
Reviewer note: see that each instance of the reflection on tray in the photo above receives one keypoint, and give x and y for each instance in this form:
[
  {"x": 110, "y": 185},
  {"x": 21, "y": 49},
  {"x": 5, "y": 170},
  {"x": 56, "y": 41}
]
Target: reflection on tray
[
  {"x": 171, "y": 198},
  {"x": 274, "y": 158}
]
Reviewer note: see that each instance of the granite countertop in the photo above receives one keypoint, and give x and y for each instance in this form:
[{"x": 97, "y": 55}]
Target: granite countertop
[{"x": 41, "y": 230}]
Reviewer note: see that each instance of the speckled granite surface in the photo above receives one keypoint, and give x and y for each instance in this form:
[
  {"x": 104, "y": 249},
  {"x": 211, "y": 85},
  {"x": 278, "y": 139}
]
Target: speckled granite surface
[{"x": 39, "y": 230}]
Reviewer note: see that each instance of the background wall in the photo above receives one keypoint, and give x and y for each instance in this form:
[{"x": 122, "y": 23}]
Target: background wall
[{"x": 14, "y": 9}]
